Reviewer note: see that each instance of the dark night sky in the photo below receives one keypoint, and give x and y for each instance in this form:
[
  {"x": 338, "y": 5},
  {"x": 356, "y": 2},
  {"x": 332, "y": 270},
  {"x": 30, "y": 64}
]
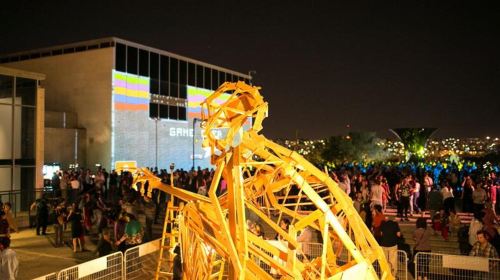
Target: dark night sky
[{"x": 321, "y": 65}]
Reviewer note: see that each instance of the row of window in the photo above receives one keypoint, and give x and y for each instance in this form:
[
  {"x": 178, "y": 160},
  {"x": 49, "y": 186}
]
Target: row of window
[
  {"x": 167, "y": 88},
  {"x": 158, "y": 111},
  {"x": 168, "y": 69}
]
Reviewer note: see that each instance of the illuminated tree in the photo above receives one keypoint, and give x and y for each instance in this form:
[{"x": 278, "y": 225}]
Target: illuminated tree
[{"x": 414, "y": 140}]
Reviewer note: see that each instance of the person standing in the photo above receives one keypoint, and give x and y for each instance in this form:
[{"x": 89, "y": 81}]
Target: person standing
[
  {"x": 405, "y": 191},
  {"x": 7, "y": 207},
  {"x": 149, "y": 212},
  {"x": 468, "y": 188},
  {"x": 8, "y": 260},
  {"x": 415, "y": 196},
  {"x": 448, "y": 198},
  {"x": 4, "y": 225},
  {"x": 76, "y": 219},
  {"x": 422, "y": 237},
  {"x": 75, "y": 188},
  {"x": 478, "y": 199},
  {"x": 390, "y": 232},
  {"x": 435, "y": 201},
  {"x": 378, "y": 218},
  {"x": 377, "y": 193},
  {"x": 63, "y": 185},
  {"x": 42, "y": 216}
]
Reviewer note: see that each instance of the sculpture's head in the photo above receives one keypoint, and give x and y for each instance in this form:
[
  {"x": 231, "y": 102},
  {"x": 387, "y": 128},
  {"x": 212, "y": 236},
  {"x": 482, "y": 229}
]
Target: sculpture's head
[{"x": 224, "y": 123}]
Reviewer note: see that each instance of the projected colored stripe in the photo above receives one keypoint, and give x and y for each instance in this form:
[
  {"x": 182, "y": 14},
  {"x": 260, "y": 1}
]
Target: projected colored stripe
[
  {"x": 130, "y": 100},
  {"x": 131, "y": 92},
  {"x": 123, "y": 84},
  {"x": 196, "y": 96},
  {"x": 131, "y": 107},
  {"x": 131, "y": 79}
]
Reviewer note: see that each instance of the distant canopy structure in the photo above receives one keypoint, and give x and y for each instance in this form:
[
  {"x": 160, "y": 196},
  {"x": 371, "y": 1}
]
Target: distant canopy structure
[{"x": 414, "y": 140}]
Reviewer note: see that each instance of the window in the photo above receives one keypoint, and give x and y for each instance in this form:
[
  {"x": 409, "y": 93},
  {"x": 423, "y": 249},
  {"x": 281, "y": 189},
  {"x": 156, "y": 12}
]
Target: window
[
  {"x": 174, "y": 70},
  {"x": 172, "y": 112},
  {"x": 153, "y": 110},
  {"x": 131, "y": 60},
  {"x": 208, "y": 78},
  {"x": 174, "y": 77},
  {"x": 182, "y": 113},
  {"x": 163, "y": 111},
  {"x": 164, "y": 71},
  {"x": 182, "y": 72},
  {"x": 6, "y": 92},
  {"x": 121, "y": 58},
  {"x": 164, "y": 88},
  {"x": 154, "y": 66},
  {"x": 154, "y": 73},
  {"x": 143, "y": 63},
  {"x": 183, "y": 91},
  {"x": 191, "y": 74},
  {"x": 26, "y": 90},
  {"x": 215, "y": 79},
  {"x": 154, "y": 86},
  {"x": 199, "y": 76},
  {"x": 222, "y": 78}
]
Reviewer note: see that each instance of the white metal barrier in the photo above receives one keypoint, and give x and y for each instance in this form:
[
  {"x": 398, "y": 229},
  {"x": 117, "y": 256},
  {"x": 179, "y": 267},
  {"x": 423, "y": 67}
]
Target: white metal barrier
[
  {"x": 314, "y": 250},
  {"x": 140, "y": 261},
  {"x": 51, "y": 276},
  {"x": 109, "y": 267},
  {"x": 442, "y": 266}
]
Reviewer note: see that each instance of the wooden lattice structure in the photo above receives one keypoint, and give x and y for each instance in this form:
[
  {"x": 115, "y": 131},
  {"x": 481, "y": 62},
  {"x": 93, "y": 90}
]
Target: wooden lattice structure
[{"x": 270, "y": 182}]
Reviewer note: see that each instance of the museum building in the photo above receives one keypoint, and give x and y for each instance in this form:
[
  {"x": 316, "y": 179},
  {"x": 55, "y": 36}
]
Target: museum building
[{"x": 111, "y": 100}]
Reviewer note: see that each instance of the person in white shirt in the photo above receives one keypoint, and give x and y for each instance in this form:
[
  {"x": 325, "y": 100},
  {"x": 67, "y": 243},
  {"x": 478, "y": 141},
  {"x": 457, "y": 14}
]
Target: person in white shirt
[
  {"x": 377, "y": 193},
  {"x": 428, "y": 182},
  {"x": 448, "y": 199},
  {"x": 8, "y": 260},
  {"x": 415, "y": 193}
]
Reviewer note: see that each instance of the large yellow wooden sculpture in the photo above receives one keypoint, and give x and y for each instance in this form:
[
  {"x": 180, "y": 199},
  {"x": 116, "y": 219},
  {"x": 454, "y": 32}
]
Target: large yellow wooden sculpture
[{"x": 269, "y": 183}]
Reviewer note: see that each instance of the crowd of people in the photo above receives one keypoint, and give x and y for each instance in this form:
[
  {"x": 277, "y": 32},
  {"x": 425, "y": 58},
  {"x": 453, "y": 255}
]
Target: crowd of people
[
  {"x": 413, "y": 189},
  {"x": 107, "y": 205}
]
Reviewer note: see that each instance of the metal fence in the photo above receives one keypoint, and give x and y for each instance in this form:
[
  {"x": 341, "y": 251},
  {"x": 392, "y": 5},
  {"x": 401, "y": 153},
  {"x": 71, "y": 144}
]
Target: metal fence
[
  {"x": 315, "y": 250},
  {"x": 21, "y": 200},
  {"x": 442, "y": 266},
  {"x": 140, "y": 261},
  {"x": 109, "y": 267},
  {"x": 51, "y": 276}
]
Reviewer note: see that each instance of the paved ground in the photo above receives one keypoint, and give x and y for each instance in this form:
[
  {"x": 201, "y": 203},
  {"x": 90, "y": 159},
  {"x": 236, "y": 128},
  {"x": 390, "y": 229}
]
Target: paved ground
[{"x": 38, "y": 256}]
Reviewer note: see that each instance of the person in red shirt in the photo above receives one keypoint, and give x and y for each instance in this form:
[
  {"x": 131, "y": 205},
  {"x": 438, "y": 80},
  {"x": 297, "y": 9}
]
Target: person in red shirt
[{"x": 378, "y": 218}]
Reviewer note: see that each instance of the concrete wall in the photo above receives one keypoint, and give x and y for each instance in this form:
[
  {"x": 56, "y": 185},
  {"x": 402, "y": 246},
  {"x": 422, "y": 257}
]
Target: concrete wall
[
  {"x": 67, "y": 146},
  {"x": 80, "y": 83},
  {"x": 61, "y": 119}
]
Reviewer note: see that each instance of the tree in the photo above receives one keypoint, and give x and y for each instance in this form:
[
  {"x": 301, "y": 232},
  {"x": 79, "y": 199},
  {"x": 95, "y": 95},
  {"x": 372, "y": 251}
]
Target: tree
[{"x": 356, "y": 146}]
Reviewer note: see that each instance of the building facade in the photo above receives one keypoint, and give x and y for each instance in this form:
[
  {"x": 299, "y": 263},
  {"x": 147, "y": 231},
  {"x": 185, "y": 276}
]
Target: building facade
[
  {"x": 132, "y": 102},
  {"x": 21, "y": 134}
]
